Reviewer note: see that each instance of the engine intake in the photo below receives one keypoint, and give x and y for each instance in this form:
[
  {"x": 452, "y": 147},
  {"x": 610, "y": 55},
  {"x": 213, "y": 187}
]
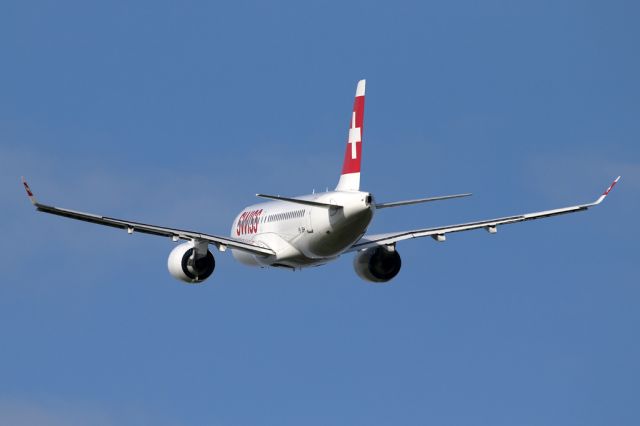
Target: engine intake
[
  {"x": 378, "y": 265},
  {"x": 190, "y": 270}
]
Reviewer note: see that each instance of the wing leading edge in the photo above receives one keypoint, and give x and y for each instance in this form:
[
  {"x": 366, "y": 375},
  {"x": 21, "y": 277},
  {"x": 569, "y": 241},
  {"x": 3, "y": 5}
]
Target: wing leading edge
[
  {"x": 175, "y": 234},
  {"x": 439, "y": 234}
]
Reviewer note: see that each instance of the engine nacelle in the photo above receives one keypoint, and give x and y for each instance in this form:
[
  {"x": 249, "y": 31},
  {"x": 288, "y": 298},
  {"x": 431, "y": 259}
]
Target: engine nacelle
[
  {"x": 378, "y": 265},
  {"x": 182, "y": 267}
]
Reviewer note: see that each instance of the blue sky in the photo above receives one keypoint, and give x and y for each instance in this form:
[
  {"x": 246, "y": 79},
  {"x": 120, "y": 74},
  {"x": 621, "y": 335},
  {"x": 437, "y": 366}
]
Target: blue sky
[{"x": 176, "y": 113}]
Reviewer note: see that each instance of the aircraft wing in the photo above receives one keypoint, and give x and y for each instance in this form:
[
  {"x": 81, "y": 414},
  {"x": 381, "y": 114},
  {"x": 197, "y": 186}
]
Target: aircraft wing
[
  {"x": 439, "y": 233},
  {"x": 175, "y": 234}
]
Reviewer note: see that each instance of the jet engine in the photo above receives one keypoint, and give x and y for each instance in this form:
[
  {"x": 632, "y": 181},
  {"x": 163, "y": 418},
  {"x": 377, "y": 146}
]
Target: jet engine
[
  {"x": 378, "y": 265},
  {"x": 191, "y": 262}
]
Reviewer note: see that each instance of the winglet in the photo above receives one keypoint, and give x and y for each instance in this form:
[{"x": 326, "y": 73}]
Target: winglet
[
  {"x": 32, "y": 198},
  {"x": 605, "y": 193}
]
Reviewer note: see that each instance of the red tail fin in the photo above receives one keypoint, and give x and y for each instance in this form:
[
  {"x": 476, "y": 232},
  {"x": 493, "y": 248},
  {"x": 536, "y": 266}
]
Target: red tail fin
[{"x": 350, "y": 178}]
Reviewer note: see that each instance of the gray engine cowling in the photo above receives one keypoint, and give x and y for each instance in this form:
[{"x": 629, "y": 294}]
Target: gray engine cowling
[
  {"x": 378, "y": 265},
  {"x": 192, "y": 271}
]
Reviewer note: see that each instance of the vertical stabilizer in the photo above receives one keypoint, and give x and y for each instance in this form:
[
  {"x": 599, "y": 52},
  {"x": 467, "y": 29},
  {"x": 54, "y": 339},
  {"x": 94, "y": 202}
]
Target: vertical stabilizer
[{"x": 350, "y": 177}]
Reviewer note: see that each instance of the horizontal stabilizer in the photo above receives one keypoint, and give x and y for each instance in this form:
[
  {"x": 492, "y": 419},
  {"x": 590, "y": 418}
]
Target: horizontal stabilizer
[
  {"x": 298, "y": 201},
  {"x": 419, "y": 200}
]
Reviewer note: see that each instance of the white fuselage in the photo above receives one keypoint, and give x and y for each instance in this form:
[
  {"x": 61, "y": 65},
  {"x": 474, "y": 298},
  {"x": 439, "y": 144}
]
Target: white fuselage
[{"x": 303, "y": 235}]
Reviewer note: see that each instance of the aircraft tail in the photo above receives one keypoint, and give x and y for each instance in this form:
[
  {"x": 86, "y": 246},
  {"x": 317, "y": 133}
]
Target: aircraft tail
[{"x": 350, "y": 177}]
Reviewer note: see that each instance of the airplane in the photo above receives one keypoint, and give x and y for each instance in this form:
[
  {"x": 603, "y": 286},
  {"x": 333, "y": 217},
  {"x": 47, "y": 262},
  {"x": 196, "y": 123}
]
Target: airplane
[{"x": 308, "y": 230}]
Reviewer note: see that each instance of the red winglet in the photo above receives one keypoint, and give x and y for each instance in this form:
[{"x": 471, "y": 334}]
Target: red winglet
[
  {"x": 611, "y": 186},
  {"x": 605, "y": 193},
  {"x": 32, "y": 198}
]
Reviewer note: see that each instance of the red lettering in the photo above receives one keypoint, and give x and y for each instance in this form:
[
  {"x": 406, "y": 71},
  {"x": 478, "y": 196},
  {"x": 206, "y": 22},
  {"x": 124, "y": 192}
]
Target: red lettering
[
  {"x": 240, "y": 221},
  {"x": 253, "y": 222},
  {"x": 248, "y": 222},
  {"x": 244, "y": 222},
  {"x": 257, "y": 221}
]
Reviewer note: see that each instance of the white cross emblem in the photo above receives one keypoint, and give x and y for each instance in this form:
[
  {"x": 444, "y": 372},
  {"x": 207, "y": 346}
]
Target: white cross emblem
[{"x": 354, "y": 136}]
